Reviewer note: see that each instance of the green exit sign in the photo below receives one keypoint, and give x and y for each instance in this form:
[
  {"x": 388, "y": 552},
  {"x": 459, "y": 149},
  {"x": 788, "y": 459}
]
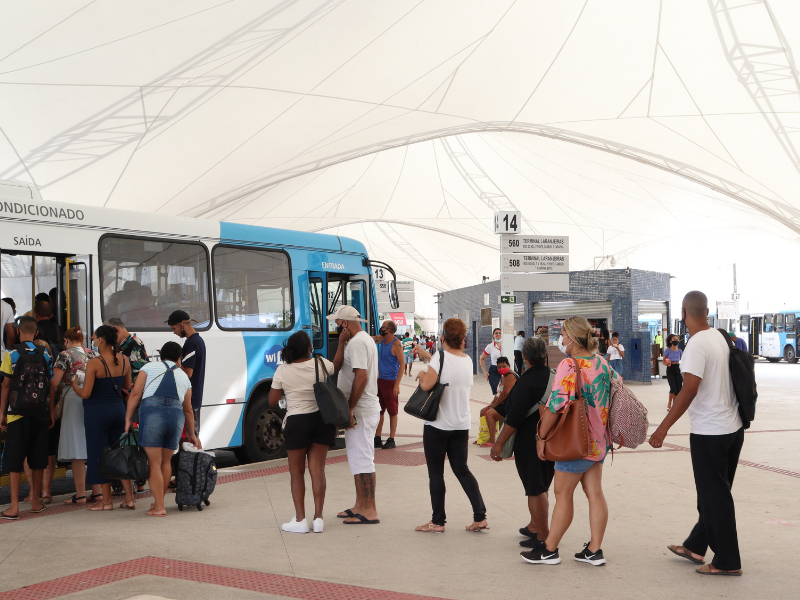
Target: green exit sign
[{"x": 508, "y": 299}]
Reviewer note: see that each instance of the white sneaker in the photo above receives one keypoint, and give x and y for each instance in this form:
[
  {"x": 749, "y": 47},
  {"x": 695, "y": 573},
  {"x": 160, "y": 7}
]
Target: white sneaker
[
  {"x": 318, "y": 525},
  {"x": 295, "y": 526}
]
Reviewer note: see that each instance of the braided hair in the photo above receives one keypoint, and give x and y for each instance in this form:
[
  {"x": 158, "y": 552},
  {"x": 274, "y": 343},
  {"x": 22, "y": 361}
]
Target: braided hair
[{"x": 109, "y": 335}]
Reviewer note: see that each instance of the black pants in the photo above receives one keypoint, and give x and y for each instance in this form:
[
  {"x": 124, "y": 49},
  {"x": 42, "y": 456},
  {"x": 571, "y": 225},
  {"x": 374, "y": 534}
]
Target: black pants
[
  {"x": 518, "y": 364},
  {"x": 437, "y": 443},
  {"x": 714, "y": 461},
  {"x": 675, "y": 379}
]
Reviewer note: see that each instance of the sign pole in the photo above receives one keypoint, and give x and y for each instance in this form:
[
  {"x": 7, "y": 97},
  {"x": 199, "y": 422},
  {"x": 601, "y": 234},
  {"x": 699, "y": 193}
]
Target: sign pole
[{"x": 506, "y": 317}]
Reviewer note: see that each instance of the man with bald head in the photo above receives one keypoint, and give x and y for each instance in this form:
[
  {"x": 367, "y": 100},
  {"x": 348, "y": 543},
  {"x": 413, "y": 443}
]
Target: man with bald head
[{"x": 716, "y": 440}]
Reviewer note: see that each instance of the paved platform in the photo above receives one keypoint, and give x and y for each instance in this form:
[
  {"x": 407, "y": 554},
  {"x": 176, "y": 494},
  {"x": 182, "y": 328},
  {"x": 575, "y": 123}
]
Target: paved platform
[{"x": 235, "y": 548}]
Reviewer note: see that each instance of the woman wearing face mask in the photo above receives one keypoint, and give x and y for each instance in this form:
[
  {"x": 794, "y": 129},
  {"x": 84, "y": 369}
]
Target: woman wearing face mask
[
  {"x": 71, "y": 363},
  {"x": 497, "y": 409},
  {"x": 493, "y": 351},
  {"x": 672, "y": 359},
  {"x": 595, "y": 375}
]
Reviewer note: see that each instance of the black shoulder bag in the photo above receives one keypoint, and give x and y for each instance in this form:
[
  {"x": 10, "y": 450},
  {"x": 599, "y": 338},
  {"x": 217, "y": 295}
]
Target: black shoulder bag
[
  {"x": 334, "y": 408},
  {"x": 425, "y": 405},
  {"x": 124, "y": 460}
]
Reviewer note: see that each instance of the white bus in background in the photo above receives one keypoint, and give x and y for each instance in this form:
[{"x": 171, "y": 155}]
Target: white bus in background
[{"x": 248, "y": 287}]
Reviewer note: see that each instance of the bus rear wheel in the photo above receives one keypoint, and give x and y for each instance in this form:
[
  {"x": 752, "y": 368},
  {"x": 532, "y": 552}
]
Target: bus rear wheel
[
  {"x": 774, "y": 359},
  {"x": 790, "y": 355},
  {"x": 263, "y": 432}
]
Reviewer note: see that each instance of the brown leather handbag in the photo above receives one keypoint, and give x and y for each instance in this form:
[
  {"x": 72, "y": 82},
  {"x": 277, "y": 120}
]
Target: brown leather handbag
[{"x": 568, "y": 439}]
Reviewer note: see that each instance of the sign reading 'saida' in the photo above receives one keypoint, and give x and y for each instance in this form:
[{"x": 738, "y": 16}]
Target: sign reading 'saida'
[{"x": 41, "y": 210}]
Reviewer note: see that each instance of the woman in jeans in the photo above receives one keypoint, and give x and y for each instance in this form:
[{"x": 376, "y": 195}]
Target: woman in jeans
[
  {"x": 307, "y": 435},
  {"x": 72, "y": 444},
  {"x": 595, "y": 375},
  {"x": 449, "y": 433},
  {"x": 104, "y": 410},
  {"x": 166, "y": 395}
]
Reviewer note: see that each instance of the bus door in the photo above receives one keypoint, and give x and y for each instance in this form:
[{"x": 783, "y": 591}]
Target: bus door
[
  {"x": 64, "y": 279},
  {"x": 317, "y": 287},
  {"x": 755, "y": 335}
]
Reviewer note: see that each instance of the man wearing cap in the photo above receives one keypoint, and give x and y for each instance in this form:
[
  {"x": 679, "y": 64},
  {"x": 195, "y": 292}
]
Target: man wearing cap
[
  {"x": 193, "y": 359},
  {"x": 356, "y": 361},
  {"x": 737, "y": 341}
]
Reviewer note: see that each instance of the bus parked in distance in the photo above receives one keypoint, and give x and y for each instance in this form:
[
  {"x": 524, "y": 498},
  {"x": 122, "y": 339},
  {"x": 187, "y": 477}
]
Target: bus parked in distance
[
  {"x": 249, "y": 288},
  {"x": 772, "y": 335}
]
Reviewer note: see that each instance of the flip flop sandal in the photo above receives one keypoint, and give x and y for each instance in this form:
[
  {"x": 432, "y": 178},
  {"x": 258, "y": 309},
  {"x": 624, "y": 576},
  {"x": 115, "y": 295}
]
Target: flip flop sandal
[
  {"x": 74, "y": 499},
  {"x": 685, "y": 554},
  {"x": 150, "y": 513},
  {"x": 6, "y": 517},
  {"x": 478, "y": 530},
  {"x": 706, "y": 570},
  {"x": 349, "y": 513},
  {"x": 37, "y": 511},
  {"x": 362, "y": 520},
  {"x": 430, "y": 528},
  {"x": 27, "y": 499},
  {"x": 47, "y": 499},
  {"x": 127, "y": 504}
]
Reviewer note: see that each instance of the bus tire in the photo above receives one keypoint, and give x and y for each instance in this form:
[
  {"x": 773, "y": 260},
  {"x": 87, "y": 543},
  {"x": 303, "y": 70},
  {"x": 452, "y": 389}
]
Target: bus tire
[
  {"x": 790, "y": 355},
  {"x": 773, "y": 359},
  {"x": 263, "y": 431},
  {"x": 241, "y": 455}
]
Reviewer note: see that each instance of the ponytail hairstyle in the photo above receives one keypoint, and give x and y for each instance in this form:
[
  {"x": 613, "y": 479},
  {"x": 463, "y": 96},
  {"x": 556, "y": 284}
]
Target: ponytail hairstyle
[
  {"x": 296, "y": 347},
  {"x": 109, "y": 335},
  {"x": 74, "y": 334}
]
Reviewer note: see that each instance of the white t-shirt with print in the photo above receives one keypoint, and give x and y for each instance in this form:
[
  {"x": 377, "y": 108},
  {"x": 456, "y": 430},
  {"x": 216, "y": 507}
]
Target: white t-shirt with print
[
  {"x": 6, "y": 316},
  {"x": 361, "y": 353},
  {"x": 493, "y": 352},
  {"x": 297, "y": 381},
  {"x": 613, "y": 353},
  {"x": 454, "y": 412},
  {"x": 714, "y": 410}
]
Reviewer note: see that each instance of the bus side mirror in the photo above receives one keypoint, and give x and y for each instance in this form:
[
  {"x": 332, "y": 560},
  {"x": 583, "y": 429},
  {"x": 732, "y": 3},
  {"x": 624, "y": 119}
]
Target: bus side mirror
[{"x": 394, "y": 302}]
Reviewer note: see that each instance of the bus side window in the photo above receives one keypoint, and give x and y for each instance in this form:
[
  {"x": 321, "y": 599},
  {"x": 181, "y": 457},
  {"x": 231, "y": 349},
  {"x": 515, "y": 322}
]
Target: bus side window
[
  {"x": 790, "y": 323},
  {"x": 779, "y": 323},
  {"x": 768, "y": 327}
]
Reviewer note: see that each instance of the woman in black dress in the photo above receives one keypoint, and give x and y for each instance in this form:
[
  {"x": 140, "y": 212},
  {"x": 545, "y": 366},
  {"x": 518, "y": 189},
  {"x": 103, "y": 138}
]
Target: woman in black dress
[{"x": 536, "y": 475}]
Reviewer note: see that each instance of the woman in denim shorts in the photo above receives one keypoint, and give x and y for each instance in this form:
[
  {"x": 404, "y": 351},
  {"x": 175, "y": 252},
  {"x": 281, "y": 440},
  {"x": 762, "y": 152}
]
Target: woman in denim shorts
[
  {"x": 166, "y": 395},
  {"x": 596, "y": 374}
]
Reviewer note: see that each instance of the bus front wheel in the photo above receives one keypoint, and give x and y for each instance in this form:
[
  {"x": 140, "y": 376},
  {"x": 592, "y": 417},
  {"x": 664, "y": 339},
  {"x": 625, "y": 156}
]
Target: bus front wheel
[
  {"x": 773, "y": 359},
  {"x": 263, "y": 431},
  {"x": 790, "y": 355}
]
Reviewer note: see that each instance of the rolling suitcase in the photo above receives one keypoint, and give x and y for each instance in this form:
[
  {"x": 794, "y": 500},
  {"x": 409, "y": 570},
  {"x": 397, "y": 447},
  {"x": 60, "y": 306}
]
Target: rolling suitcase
[{"x": 196, "y": 479}]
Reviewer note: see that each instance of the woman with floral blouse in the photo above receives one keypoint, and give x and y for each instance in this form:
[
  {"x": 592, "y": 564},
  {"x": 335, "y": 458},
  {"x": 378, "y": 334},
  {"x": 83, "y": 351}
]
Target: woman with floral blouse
[{"x": 596, "y": 374}]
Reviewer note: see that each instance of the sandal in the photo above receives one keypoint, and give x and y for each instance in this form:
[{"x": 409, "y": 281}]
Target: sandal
[
  {"x": 127, "y": 504},
  {"x": 430, "y": 527},
  {"x": 480, "y": 526},
  {"x": 74, "y": 499},
  {"x": 150, "y": 513},
  {"x": 95, "y": 497},
  {"x": 36, "y": 511},
  {"x": 684, "y": 554},
  {"x": 47, "y": 499},
  {"x": 6, "y": 517},
  {"x": 27, "y": 499},
  {"x": 94, "y": 507},
  {"x": 346, "y": 514},
  {"x": 707, "y": 570}
]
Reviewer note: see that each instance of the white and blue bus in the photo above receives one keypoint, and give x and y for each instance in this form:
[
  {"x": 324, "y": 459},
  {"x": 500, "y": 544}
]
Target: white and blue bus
[
  {"x": 249, "y": 288},
  {"x": 772, "y": 335}
]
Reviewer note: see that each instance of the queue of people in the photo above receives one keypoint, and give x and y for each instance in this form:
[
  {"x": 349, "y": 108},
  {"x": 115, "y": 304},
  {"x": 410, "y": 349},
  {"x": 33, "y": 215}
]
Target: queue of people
[{"x": 85, "y": 399}]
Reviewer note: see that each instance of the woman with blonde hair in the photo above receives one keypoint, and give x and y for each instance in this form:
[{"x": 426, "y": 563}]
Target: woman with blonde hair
[
  {"x": 595, "y": 382},
  {"x": 72, "y": 445}
]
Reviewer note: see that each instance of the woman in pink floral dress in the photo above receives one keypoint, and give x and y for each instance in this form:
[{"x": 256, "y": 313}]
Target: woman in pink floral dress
[{"x": 579, "y": 343}]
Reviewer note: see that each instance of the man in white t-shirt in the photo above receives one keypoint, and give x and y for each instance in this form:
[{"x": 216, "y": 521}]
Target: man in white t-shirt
[
  {"x": 716, "y": 440},
  {"x": 356, "y": 361},
  {"x": 6, "y": 326},
  {"x": 493, "y": 351}
]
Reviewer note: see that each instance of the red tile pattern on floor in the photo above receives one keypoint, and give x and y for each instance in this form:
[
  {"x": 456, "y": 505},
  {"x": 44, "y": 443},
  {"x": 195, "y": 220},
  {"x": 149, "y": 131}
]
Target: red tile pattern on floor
[
  {"x": 746, "y": 463},
  {"x": 253, "y": 581}
]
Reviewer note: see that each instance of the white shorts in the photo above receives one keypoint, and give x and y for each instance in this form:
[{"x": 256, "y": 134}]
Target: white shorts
[{"x": 360, "y": 442}]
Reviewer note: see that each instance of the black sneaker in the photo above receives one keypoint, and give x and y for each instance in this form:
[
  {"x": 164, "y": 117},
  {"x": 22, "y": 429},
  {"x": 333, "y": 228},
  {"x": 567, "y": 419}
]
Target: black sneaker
[
  {"x": 389, "y": 444},
  {"x": 534, "y": 543},
  {"x": 526, "y": 532},
  {"x": 378, "y": 443},
  {"x": 593, "y": 558},
  {"x": 541, "y": 556}
]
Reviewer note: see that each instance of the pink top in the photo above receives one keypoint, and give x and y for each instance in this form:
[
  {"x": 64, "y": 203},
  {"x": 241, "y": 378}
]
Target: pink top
[{"x": 596, "y": 391}]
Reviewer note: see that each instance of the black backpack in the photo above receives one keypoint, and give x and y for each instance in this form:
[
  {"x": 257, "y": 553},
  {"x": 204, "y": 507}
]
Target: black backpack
[
  {"x": 29, "y": 394},
  {"x": 743, "y": 376}
]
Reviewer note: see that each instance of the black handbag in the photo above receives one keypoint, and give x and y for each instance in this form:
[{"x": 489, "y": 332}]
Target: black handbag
[
  {"x": 425, "y": 405},
  {"x": 333, "y": 405},
  {"x": 123, "y": 460}
]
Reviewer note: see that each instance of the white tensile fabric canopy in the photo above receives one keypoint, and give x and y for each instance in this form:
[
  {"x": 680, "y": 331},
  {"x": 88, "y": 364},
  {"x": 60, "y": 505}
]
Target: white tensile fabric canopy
[{"x": 652, "y": 130}]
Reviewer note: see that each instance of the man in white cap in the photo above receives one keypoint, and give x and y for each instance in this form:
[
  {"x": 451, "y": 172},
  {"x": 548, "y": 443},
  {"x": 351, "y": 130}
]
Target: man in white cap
[{"x": 356, "y": 361}]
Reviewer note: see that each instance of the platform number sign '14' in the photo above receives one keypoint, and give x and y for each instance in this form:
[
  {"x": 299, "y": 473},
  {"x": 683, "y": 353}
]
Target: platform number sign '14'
[{"x": 507, "y": 222}]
